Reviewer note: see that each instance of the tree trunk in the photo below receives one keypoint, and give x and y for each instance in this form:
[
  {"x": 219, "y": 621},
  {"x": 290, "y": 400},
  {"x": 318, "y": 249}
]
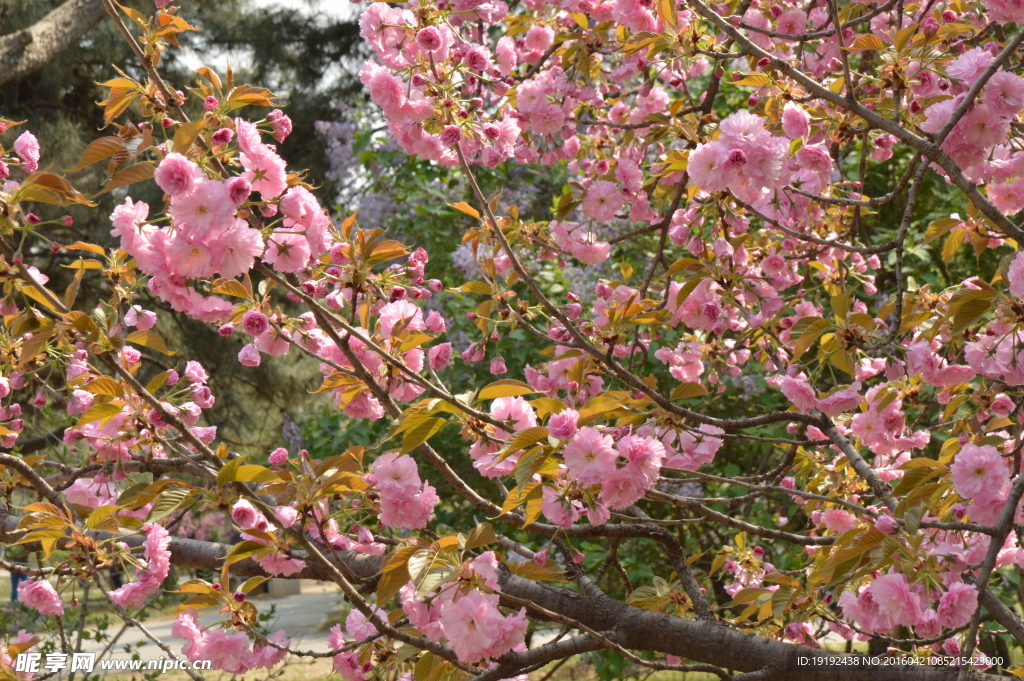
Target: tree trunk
[{"x": 26, "y": 50}]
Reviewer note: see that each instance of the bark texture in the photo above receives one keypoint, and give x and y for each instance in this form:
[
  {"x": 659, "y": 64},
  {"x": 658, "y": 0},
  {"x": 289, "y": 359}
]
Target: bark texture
[{"x": 26, "y": 50}]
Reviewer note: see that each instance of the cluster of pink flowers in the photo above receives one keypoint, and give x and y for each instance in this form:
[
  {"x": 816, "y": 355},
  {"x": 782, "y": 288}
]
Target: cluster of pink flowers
[
  {"x": 405, "y": 501},
  {"x": 152, "y": 571},
  {"x": 113, "y": 439},
  {"x": 276, "y": 562},
  {"x": 883, "y": 429},
  {"x": 470, "y": 620},
  {"x": 226, "y": 650},
  {"x": 748, "y": 160},
  {"x": 566, "y": 86},
  {"x": 208, "y": 235},
  {"x": 980, "y": 475},
  {"x": 891, "y": 600}
]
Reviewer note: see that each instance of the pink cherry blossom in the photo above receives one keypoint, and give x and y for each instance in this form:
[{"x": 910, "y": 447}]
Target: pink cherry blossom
[
  {"x": 176, "y": 175},
  {"x": 27, "y": 149},
  {"x": 40, "y": 595},
  {"x": 957, "y": 605},
  {"x": 563, "y": 424},
  {"x": 979, "y": 471},
  {"x": 589, "y": 456},
  {"x": 603, "y": 200}
]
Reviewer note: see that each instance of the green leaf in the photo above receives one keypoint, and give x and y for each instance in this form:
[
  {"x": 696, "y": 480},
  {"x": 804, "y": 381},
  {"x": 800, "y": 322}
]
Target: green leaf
[
  {"x": 227, "y": 473},
  {"x": 952, "y": 244},
  {"x": 395, "y": 574},
  {"x": 968, "y": 313},
  {"x": 101, "y": 412},
  {"x": 504, "y": 388},
  {"x": 867, "y": 42},
  {"x": 186, "y": 134},
  {"x": 422, "y": 432},
  {"x": 809, "y": 336},
  {"x": 100, "y": 514},
  {"x": 424, "y": 667},
  {"x": 130, "y": 175},
  {"x": 149, "y": 339},
  {"x": 754, "y": 80},
  {"x": 246, "y": 549},
  {"x": 525, "y": 439},
  {"x": 252, "y": 583},
  {"x": 98, "y": 150},
  {"x": 475, "y": 287},
  {"x": 481, "y": 535},
  {"x": 939, "y": 227},
  {"x": 685, "y": 391},
  {"x": 168, "y": 502}
]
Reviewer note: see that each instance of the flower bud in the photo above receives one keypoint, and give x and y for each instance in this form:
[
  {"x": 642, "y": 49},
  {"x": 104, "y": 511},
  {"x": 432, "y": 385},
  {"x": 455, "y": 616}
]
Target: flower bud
[{"x": 222, "y": 137}]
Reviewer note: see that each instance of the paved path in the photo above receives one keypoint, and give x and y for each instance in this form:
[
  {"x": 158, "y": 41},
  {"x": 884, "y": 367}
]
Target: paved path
[{"x": 303, "y": 616}]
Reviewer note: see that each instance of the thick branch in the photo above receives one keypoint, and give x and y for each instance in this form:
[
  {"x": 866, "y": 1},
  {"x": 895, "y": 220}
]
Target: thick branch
[{"x": 24, "y": 51}]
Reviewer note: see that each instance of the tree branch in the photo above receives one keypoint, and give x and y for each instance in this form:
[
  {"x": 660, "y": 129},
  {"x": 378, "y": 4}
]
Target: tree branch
[{"x": 24, "y": 51}]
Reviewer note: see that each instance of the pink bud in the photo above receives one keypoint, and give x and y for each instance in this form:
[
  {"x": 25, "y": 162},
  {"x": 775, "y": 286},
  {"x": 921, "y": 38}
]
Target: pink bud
[
  {"x": 541, "y": 557},
  {"x": 451, "y": 136},
  {"x": 222, "y": 137},
  {"x": 498, "y": 366},
  {"x": 439, "y": 356}
]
